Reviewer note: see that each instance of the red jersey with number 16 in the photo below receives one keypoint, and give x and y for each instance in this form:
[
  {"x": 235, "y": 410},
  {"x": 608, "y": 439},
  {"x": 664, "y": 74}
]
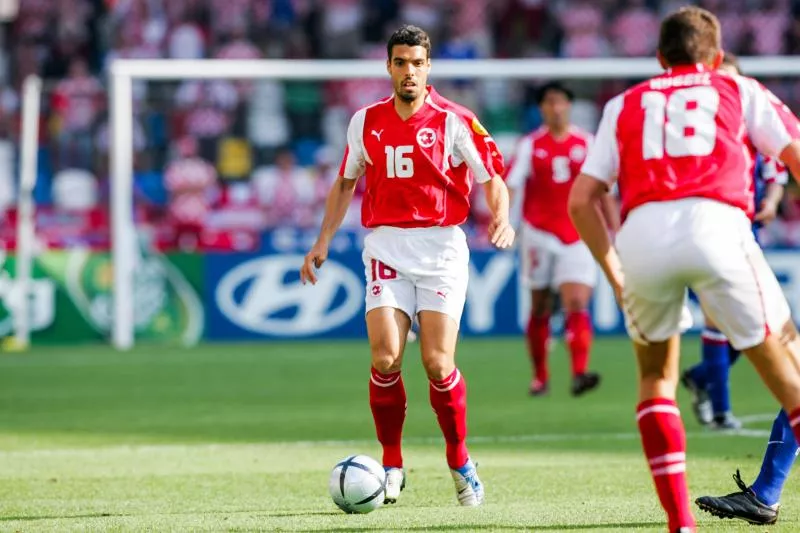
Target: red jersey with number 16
[
  {"x": 413, "y": 167},
  {"x": 547, "y": 166},
  {"x": 689, "y": 133}
]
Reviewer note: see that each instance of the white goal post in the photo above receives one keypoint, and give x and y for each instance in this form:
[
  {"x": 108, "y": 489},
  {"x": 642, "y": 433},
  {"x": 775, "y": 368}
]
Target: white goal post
[{"x": 124, "y": 71}]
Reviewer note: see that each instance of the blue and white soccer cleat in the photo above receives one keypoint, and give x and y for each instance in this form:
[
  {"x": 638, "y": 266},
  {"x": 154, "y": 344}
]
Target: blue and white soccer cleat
[
  {"x": 395, "y": 483},
  {"x": 469, "y": 488}
]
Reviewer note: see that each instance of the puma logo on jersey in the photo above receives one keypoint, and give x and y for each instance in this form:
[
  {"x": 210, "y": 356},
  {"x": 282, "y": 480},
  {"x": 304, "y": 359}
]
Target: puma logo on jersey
[{"x": 377, "y": 134}]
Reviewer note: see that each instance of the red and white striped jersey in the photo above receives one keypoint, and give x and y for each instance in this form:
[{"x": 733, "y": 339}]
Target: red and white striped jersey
[
  {"x": 413, "y": 167},
  {"x": 689, "y": 133},
  {"x": 774, "y": 171},
  {"x": 189, "y": 182},
  {"x": 547, "y": 166}
]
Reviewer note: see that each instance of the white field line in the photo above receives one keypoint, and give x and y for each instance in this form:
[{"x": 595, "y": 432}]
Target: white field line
[{"x": 478, "y": 439}]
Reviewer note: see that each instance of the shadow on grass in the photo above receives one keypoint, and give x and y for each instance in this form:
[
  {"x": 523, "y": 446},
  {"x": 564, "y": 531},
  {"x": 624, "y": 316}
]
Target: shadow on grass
[
  {"x": 498, "y": 527},
  {"x": 57, "y": 517}
]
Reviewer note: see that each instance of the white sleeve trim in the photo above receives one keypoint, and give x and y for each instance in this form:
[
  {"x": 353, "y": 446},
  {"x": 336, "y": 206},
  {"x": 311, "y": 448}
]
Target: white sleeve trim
[
  {"x": 464, "y": 148},
  {"x": 521, "y": 169},
  {"x": 356, "y": 153},
  {"x": 764, "y": 125},
  {"x": 602, "y": 158}
]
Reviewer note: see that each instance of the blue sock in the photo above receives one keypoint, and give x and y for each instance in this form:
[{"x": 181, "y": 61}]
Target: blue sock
[
  {"x": 778, "y": 459},
  {"x": 733, "y": 355},
  {"x": 717, "y": 363},
  {"x": 699, "y": 372}
]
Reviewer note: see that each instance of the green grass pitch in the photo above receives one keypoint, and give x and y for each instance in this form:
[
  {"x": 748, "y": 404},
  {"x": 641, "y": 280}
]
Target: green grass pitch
[{"x": 242, "y": 437}]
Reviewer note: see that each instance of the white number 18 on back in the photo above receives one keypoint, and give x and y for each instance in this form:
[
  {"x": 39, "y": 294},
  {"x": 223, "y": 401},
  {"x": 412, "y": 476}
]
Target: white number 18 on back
[{"x": 681, "y": 124}]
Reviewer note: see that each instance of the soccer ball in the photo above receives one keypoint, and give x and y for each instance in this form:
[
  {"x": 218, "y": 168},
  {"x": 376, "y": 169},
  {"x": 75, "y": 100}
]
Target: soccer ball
[{"x": 357, "y": 484}]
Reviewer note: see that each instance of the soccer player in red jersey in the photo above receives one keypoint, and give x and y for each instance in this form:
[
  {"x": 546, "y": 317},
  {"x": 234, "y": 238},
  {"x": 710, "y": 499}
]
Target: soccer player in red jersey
[
  {"x": 681, "y": 147},
  {"x": 418, "y": 153},
  {"x": 553, "y": 256}
]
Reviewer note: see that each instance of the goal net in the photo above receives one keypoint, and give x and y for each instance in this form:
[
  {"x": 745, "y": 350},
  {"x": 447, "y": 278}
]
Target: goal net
[{"x": 249, "y": 149}]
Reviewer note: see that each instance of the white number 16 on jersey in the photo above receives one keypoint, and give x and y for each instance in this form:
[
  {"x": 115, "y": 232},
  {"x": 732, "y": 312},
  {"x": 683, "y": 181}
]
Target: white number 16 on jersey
[
  {"x": 397, "y": 164},
  {"x": 682, "y": 124}
]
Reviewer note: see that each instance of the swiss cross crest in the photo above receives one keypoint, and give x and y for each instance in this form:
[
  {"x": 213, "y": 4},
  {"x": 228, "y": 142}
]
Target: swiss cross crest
[
  {"x": 577, "y": 153},
  {"x": 426, "y": 137},
  {"x": 376, "y": 289}
]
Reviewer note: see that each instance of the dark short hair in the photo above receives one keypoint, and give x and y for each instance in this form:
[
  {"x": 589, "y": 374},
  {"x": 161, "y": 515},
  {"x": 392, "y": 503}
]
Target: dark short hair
[
  {"x": 689, "y": 35},
  {"x": 730, "y": 59},
  {"x": 556, "y": 86},
  {"x": 410, "y": 36}
]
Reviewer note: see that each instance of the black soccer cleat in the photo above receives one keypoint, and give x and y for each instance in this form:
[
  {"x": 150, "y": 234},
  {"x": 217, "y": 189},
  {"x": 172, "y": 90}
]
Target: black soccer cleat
[
  {"x": 584, "y": 383},
  {"x": 742, "y": 505}
]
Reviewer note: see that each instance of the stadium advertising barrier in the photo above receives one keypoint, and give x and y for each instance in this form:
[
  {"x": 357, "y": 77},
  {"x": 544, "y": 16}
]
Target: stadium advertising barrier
[
  {"x": 257, "y": 296},
  {"x": 182, "y": 298},
  {"x": 70, "y": 297}
]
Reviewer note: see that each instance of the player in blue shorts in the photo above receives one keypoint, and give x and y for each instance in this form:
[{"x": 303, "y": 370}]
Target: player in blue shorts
[
  {"x": 708, "y": 380},
  {"x": 758, "y": 503}
]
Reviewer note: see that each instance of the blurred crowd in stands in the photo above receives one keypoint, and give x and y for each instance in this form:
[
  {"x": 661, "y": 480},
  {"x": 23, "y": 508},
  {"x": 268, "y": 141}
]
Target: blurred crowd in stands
[{"x": 218, "y": 162}]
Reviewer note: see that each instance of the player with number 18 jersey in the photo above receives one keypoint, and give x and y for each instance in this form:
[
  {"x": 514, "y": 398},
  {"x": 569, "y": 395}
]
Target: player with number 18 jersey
[{"x": 681, "y": 146}]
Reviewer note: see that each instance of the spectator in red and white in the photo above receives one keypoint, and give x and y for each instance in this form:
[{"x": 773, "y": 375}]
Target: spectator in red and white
[
  {"x": 227, "y": 15},
  {"x": 238, "y": 46},
  {"x": 635, "y": 30},
  {"x": 207, "y": 109},
  {"x": 286, "y": 192},
  {"x": 186, "y": 39},
  {"x": 77, "y": 102},
  {"x": 191, "y": 182},
  {"x": 341, "y": 28},
  {"x": 768, "y": 27},
  {"x": 583, "y": 23}
]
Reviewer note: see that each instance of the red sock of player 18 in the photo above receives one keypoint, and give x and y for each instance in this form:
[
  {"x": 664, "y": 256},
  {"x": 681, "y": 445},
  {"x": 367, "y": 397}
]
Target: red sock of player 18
[
  {"x": 538, "y": 335},
  {"x": 387, "y": 399},
  {"x": 664, "y": 442},
  {"x": 578, "y": 334},
  {"x": 449, "y": 402}
]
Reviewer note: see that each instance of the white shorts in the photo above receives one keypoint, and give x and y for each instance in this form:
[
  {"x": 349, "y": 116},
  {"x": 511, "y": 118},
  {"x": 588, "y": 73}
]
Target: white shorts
[
  {"x": 708, "y": 246},
  {"x": 417, "y": 269},
  {"x": 548, "y": 263}
]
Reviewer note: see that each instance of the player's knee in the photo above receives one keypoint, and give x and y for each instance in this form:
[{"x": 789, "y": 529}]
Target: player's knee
[
  {"x": 438, "y": 365},
  {"x": 575, "y": 304},
  {"x": 385, "y": 361}
]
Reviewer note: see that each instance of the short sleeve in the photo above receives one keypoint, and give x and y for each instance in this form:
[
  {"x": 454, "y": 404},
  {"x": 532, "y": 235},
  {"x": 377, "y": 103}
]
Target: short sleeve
[
  {"x": 602, "y": 158},
  {"x": 353, "y": 162},
  {"x": 464, "y": 149},
  {"x": 771, "y": 126},
  {"x": 521, "y": 167}
]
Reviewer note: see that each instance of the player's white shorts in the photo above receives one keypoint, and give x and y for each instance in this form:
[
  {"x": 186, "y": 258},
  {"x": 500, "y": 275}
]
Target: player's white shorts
[
  {"x": 548, "y": 263},
  {"x": 708, "y": 246},
  {"x": 417, "y": 269}
]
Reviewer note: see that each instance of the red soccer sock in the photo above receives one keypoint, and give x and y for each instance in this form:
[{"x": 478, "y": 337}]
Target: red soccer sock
[
  {"x": 387, "y": 399},
  {"x": 664, "y": 442},
  {"x": 578, "y": 334},
  {"x": 538, "y": 336},
  {"x": 449, "y": 402}
]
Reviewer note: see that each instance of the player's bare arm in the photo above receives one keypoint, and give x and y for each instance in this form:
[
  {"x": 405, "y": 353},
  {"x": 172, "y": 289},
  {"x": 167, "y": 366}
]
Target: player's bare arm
[
  {"x": 339, "y": 199},
  {"x": 501, "y": 234},
  {"x": 610, "y": 213},
  {"x": 585, "y": 210},
  {"x": 768, "y": 209}
]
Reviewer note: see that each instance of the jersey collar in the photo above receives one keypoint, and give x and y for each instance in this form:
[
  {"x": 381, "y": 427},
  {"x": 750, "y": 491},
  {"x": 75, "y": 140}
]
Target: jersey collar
[{"x": 686, "y": 69}]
